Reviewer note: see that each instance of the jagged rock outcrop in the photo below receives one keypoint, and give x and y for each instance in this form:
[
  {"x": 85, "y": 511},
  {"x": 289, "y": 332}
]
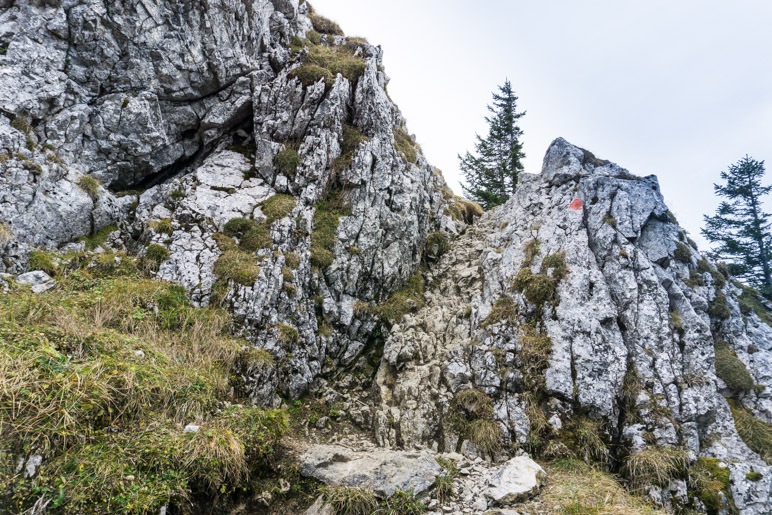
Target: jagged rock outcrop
[
  {"x": 585, "y": 279},
  {"x": 252, "y": 155},
  {"x": 191, "y": 115}
]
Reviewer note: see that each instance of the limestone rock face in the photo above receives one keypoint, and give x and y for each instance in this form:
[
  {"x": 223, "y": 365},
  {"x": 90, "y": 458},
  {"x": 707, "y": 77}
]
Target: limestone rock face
[
  {"x": 517, "y": 479},
  {"x": 170, "y": 119},
  {"x": 580, "y": 298}
]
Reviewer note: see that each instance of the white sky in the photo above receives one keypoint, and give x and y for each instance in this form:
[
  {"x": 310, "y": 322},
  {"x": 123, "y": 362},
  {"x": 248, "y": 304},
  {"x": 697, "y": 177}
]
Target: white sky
[{"x": 676, "y": 88}]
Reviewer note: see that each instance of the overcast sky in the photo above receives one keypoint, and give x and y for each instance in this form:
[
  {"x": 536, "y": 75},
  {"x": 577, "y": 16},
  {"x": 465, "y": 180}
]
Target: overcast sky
[{"x": 680, "y": 89}]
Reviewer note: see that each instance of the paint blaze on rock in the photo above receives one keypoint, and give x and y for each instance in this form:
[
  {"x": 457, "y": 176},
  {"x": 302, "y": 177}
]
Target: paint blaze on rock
[{"x": 576, "y": 205}]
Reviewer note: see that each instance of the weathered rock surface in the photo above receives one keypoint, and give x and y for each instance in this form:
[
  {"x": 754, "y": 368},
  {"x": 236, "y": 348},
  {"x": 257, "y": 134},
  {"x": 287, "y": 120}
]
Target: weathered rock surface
[
  {"x": 516, "y": 480},
  {"x": 169, "y": 120},
  {"x": 37, "y": 280},
  {"x": 381, "y": 470},
  {"x": 611, "y": 317}
]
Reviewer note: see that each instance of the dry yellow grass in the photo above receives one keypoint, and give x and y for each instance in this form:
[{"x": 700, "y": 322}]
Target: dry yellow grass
[{"x": 574, "y": 488}]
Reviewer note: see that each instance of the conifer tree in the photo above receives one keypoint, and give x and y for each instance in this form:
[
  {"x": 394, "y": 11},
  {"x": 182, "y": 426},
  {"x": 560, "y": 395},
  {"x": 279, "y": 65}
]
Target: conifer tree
[
  {"x": 740, "y": 228},
  {"x": 491, "y": 173}
]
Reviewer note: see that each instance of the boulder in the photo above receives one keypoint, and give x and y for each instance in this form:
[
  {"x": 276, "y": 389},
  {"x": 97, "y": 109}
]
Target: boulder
[{"x": 516, "y": 480}]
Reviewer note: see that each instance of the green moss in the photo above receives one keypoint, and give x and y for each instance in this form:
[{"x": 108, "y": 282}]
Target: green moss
[
  {"x": 43, "y": 260},
  {"x": 278, "y": 206},
  {"x": 324, "y": 25},
  {"x": 408, "y": 299},
  {"x": 682, "y": 253},
  {"x": 405, "y": 145},
  {"x": 731, "y": 370},
  {"x": 237, "y": 266},
  {"x": 754, "y": 476},
  {"x": 90, "y": 185},
  {"x": 756, "y": 433},
  {"x": 287, "y": 160},
  {"x": 710, "y": 482}
]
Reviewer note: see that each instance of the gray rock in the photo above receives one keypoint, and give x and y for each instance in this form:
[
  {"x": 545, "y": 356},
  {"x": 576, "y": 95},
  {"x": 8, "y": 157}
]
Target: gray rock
[
  {"x": 381, "y": 470},
  {"x": 516, "y": 480},
  {"x": 37, "y": 280}
]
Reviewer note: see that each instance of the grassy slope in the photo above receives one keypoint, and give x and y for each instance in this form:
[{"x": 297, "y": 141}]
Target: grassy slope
[{"x": 100, "y": 375}]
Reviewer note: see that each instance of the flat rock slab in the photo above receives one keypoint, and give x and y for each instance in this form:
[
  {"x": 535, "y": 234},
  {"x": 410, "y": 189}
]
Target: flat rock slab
[
  {"x": 38, "y": 280},
  {"x": 516, "y": 480},
  {"x": 383, "y": 471}
]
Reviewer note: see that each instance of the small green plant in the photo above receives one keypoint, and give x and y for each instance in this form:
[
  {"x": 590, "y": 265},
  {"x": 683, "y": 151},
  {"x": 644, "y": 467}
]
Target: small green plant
[
  {"x": 5, "y": 233},
  {"x": 754, "y": 476},
  {"x": 750, "y": 302},
  {"x": 350, "y": 501},
  {"x": 437, "y": 244},
  {"x": 43, "y": 260},
  {"x": 287, "y": 334},
  {"x": 683, "y": 253},
  {"x": 403, "y": 503},
  {"x": 504, "y": 310},
  {"x": 534, "y": 356},
  {"x": 21, "y": 124},
  {"x": 484, "y": 434},
  {"x": 99, "y": 237},
  {"x": 162, "y": 226},
  {"x": 408, "y": 299},
  {"x": 309, "y": 74},
  {"x": 719, "y": 308},
  {"x": 443, "y": 488},
  {"x": 350, "y": 141},
  {"x": 177, "y": 195},
  {"x": 405, "y": 145},
  {"x": 90, "y": 185},
  {"x": 277, "y": 207},
  {"x": 155, "y": 255},
  {"x": 326, "y": 217},
  {"x": 731, "y": 370},
  {"x": 585, "y": 438},
  {"x": 610, "y": 220},
  {"x": 287, "y": 160},
  {"x": 237, "y": 266},
  {"x": 676, "y": 322},
  {"x": 655, "y": 466}
]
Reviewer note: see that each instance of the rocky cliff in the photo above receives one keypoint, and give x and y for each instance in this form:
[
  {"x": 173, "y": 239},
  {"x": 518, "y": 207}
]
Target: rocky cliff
[{"x": 248, "y": 151}]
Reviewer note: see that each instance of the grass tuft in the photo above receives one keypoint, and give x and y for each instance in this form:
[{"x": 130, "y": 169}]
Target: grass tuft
[
  {"x": 731, "y": 370},
  {"x": 324, "y": 25},
  {"x": 655, "y": 466},
  {"x": 90, "y": 185},
  {"x": 43, "y": 260},
  {"x": 277, "y": 207},
  {"x": 709, "y": 478},
  {"x": 237, "y": 266},
  {"x": 350, "y": 501},
  {"x": 287, "y": 160},
  {"x": 405, "y": 145},
  {"x": 756, "y": 433},
  {"x": 155, "y": 255},
  {"x": 683, "y": 253},
  {"x": 408, "y": 299}
]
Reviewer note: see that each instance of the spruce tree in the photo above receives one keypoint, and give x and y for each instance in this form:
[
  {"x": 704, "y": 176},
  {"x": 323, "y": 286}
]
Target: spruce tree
[
  {"x": 491, "y": 173},
  {"x": 740, "y": 228}
]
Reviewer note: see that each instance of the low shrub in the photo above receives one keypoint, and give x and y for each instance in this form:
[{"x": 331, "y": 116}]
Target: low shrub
[{"x": 719, "y": 308}]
